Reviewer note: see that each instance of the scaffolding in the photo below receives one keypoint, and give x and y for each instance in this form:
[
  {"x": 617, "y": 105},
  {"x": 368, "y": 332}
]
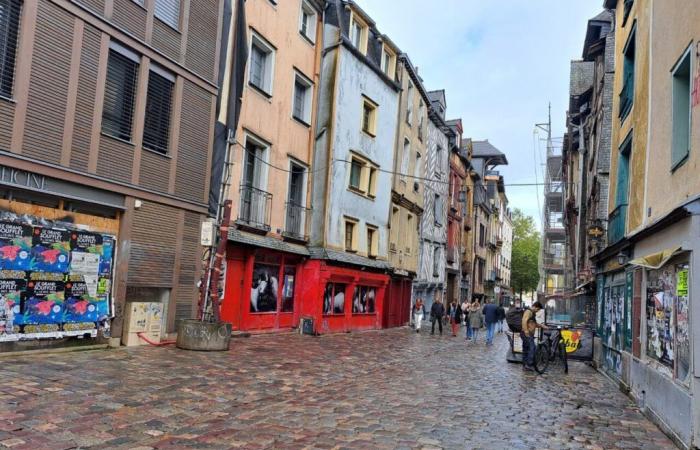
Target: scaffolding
[{"x": 552, "y": 258}]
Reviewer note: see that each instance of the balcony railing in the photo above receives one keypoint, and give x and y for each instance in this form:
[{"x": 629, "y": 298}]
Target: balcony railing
[
  {"x": 617, "y": 222},
  {"x": 627, "y": 95},
  {"x": 254, "y": 209},
  {"x": 295, "y": 223}
]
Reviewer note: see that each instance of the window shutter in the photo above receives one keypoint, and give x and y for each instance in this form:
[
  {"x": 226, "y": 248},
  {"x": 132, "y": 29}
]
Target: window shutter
[
  {"x": 169, "y": 12},
  {"x": 158, "y": 109},
  {"x": 9, "y": 28},
  {"x": 120, "y": 90}
]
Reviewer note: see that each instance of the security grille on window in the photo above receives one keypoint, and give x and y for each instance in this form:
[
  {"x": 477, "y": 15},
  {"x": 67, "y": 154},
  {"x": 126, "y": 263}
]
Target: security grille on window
[
  {"x": 9, "y": 28},
  {"x": 120, "y": 93},
  {"x": 169, "y": 12},
  {"x": 158, "y": 110}
]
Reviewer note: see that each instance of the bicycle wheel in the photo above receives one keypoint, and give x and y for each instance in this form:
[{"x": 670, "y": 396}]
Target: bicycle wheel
[
  {"x": 563, "y": 357},
  {"x": 541, "y": 358}
]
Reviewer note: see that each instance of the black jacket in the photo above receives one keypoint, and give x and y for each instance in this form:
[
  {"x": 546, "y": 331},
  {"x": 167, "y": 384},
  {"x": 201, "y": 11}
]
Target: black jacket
[
  {"x": 437, "y": 310},
  {"x": 500, "y": 313},
  {"x": 457, "y": 312}
]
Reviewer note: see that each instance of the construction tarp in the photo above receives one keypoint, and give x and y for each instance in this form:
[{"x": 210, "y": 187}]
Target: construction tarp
[{"x": 656, "y": 260}]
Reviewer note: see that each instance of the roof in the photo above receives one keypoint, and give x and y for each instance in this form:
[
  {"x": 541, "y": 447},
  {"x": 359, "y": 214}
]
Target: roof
[
  {"x": 486, "y": 150},
  {"x": 347, "y": 258},
  {"x": 243, "y": 237},
  {"x": 610, "y": 4},
  {"x": 438, "y": 96},
  {"x": 597, "y": 29}
]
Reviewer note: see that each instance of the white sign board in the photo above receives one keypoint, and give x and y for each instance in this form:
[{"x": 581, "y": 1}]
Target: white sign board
[{"x": 207, "y": 233}]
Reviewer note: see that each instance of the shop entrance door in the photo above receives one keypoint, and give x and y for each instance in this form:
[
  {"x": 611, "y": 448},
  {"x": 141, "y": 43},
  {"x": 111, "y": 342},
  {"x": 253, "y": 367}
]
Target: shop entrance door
[{"x": 272, "y": 292}]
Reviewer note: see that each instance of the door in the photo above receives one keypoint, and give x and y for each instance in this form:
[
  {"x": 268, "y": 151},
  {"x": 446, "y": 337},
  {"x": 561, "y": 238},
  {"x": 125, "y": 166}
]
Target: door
[{"x": 252, "y": 196}]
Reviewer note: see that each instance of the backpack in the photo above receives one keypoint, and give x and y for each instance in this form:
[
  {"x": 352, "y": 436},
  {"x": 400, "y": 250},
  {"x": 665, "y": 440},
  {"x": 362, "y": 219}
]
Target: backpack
[{"x": 514, "y": 319}]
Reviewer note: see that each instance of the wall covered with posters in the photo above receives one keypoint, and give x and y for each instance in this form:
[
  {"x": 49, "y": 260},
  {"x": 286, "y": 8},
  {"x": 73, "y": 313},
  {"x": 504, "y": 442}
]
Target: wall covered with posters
[{"x": 55, "y": 279}]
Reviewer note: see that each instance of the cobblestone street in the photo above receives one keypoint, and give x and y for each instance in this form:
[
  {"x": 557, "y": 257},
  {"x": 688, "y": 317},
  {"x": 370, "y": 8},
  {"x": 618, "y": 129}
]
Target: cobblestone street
[{"x": 390, "y": 389}]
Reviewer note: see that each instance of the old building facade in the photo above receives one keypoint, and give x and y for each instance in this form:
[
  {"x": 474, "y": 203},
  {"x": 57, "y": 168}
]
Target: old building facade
[
  {"x": 107, "y": 116},
  {"x": 272, "y": 157}
]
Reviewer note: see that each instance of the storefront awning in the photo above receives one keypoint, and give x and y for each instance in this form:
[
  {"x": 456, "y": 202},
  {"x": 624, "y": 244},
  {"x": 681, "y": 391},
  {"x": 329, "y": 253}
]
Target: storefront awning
[
  {"x": 656, "y": 260},
  {"x": 243, "y": 237}
]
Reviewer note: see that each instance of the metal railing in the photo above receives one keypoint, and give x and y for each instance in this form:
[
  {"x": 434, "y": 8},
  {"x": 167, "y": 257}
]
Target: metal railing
[
  {"x": 627, "y": 95},
  {"x": 254, "y": 209},
  {"x": 617, "y": 222},
  {"x": 295, "y": 223}
]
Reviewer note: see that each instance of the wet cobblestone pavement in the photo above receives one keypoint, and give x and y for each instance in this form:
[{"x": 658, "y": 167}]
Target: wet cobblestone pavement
[{"x": 374, "y": 390}]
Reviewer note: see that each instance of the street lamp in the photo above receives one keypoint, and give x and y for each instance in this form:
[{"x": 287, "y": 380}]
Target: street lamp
[{"x": 622, "y": 258}]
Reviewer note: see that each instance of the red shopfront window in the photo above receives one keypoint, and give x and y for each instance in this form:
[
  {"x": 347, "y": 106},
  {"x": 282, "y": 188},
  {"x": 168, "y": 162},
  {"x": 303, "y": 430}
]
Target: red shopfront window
[
  {"x": 364, "y": 300},
  {"x": 272, "y": 287},
  {"x": 334, "y": 299}
]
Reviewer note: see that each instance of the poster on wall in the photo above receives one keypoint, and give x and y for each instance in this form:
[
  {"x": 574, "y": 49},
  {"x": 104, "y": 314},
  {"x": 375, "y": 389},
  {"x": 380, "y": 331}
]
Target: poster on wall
[
  {"x": 81, "y": 306},
  {"x": 12, "y": 286},
  {"x": 682, "y": 324},
  {"x": 50, "y": 250},
  {"x": 660, "y": 297},
  {"x": 42, "y": 308},
  {"x": 15, "y": 246},
  {"x": 265, "y": 287}
]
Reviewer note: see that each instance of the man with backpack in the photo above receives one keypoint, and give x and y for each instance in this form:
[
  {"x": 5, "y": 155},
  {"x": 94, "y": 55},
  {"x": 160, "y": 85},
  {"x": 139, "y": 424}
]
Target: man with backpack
[{"x": 527, "y": 334}]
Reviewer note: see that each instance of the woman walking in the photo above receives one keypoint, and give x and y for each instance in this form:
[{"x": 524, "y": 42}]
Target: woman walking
[
  {"x": 418, "y": 314},
  {"x": 468, "y": 329},
  {"x": 455, "y": 314},
  {"x": 476, "y": 319}
]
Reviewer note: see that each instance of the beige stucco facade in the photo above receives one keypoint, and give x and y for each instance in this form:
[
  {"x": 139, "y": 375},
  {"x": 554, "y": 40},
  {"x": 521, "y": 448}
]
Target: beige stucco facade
[
  {"x": 410, "y": 156},
  {"x": 267, "y": 115},
  {"x": 636, "y": 122}
]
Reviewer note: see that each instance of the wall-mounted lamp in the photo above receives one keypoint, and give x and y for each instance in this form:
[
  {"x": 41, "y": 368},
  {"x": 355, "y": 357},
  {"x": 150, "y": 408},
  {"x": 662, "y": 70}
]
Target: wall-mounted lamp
[{"x": 622, "y": 258}]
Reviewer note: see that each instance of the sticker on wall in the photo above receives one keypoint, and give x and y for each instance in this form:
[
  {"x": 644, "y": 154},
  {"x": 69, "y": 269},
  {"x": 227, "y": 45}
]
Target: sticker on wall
[
  {"x": 44, "y": 300},
  {"x": 15, "y": 246},
  {"x": 50, "y": 250}
]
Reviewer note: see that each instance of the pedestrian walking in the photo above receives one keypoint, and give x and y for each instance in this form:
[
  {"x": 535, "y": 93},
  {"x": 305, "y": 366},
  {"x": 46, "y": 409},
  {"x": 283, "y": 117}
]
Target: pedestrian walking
[
  {"x": 476, "y": 319},
  {"x": 418, "y": 314},
  {"x": 466, "y": 306},
  {"x": 490, "y": 312},
  {"x": 501, "y": 317},
  {"x": 527, "y": 334},
  {"x": 455, "y": 313},
  {"x": 437, "y": 311}
]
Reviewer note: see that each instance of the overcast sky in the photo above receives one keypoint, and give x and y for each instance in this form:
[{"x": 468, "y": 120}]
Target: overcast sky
[{"x": 500, "y": 63}]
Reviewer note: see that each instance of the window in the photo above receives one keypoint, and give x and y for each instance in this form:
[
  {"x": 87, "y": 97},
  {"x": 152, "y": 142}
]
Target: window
[
  {"x": 369, "y": 117},
  {"x": 120, "y": 92},
  {"x": 159, "y": 100},
  {"x": 307, "y": 21},
  {"x": 364, "y": 300},
  {"x": 409, "y": 103},
  {"x": 623, "y": 163},
  {"x": 436, "y": 261},
  {"x": 255, "y": 202},
  {"x": 482, "y": 235},
  {"x": 264, "y": 288},
  {"x": 356, "y": 173},
  {"x": 681, "y": 113},
  {"x": 262, "y": 56},
  {"x": 295, "y": 224},
  {"x": 334, "y": 298},
  {"x": 358, "y": 34},
  {"x": 388, "y": 62},
  {"x": 169, "y": 12},
  {"x": 363, "y": 176},
  {"x": 350, "y": 235},
  {"x": 405, "y": 158},
  {"x": 420, "y": 121},
  {"x": 627, "y": 94},
  {"x": 372, "y": 242},
  {"x": 9, "y": 30},
  {"x": 437, "y": 210},
  {"x": 394, "y": 228},
  {"x": 302, "y": 99},
  {"x": 417, "y": 173},
  {"x": 409, "y": 234}
]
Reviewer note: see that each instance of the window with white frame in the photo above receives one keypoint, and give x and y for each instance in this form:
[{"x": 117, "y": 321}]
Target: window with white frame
[
  {"x": 169, "y": 12},
  {"x": 262, "y": 60},
  {"x": 9, "y": 30},
  {"x": 303, "y": 95},
  {"x": 359, "y": 34},
  {"x": 307, "y": 21}
]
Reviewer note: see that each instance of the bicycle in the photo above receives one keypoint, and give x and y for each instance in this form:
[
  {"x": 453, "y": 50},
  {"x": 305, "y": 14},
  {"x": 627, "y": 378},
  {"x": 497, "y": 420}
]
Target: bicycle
[{"x": 553, "y": 349}]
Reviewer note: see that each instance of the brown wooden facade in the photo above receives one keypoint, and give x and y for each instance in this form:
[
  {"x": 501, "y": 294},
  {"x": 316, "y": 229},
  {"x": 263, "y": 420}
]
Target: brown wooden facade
[{"x": 52, "y": 125}]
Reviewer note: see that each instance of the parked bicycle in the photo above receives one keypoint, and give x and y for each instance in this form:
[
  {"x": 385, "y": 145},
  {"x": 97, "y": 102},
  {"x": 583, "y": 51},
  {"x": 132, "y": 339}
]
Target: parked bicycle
[{"x": 551, "y": 350}]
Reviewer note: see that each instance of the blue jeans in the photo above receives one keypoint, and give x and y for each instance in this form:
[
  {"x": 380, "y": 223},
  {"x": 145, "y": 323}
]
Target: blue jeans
[
  {"x": 490, "y": 327},
  {"x": 468, "y": 331},
  {"x": 528, "y": 349}
]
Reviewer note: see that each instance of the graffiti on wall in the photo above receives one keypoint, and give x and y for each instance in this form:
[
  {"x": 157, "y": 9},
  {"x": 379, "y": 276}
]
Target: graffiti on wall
[{"x": 54, "y": 279}]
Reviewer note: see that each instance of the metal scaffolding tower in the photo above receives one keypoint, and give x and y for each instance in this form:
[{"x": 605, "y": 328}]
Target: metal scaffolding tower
[{"x": 552, "y": 258}]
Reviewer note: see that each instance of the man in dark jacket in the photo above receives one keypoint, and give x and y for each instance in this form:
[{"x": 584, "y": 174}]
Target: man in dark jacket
[
  {"x": 490, "y": 317},
  {"x": 500, "y": 317},
  {"x": 436, "y": 313}
]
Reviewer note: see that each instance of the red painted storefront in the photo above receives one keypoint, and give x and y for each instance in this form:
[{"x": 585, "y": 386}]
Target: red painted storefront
[
  {"x": 268, "y": 290},
  {"x": 397, "y": 305}
]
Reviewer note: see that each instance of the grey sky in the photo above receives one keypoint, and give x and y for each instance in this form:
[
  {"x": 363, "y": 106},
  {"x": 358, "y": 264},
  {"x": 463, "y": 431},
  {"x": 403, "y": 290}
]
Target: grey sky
[{"x": 500, "y": 63}]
